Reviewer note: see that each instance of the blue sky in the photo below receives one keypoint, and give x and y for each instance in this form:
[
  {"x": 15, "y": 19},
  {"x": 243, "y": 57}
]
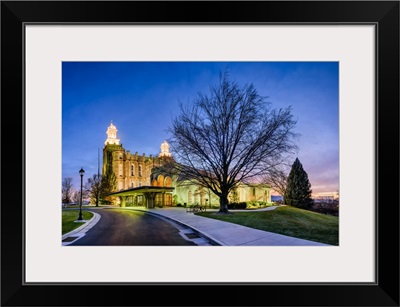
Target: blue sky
[{"x": 141, "y": 98}]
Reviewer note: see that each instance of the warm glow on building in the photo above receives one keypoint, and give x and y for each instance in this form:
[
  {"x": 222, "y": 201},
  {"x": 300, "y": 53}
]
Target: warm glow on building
[
  {"x": 112, "y": 135},
  {"x": 141, "y": 182},
  {"x": 164, "y": 150}
]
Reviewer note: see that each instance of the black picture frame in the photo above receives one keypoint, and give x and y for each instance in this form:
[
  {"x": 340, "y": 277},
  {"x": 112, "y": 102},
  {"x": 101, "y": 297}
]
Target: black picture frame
[{"x": 383, "y": 14}]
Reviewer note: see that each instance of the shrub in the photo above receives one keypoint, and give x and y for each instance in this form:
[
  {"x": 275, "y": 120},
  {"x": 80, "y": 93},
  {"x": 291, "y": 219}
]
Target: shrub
[{"x": 233, "y": 206}]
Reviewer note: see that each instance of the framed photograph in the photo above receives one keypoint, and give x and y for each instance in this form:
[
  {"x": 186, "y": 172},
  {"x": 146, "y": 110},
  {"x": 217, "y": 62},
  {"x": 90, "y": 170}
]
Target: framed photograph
[{"x": 337, "y": 62}]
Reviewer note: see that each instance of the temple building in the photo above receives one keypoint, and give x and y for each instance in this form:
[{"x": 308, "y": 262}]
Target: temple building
[{"x": 141, "y": 180}]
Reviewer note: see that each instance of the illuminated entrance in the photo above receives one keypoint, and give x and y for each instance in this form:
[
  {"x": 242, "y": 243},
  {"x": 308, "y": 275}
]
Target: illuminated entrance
[
  {"x": 163, "y": 199},
  {"x": 147, "y": 196}
]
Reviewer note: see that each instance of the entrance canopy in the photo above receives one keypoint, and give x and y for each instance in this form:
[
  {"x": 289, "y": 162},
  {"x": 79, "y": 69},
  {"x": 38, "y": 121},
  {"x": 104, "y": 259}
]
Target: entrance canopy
[{"x": 149, "y": 192}]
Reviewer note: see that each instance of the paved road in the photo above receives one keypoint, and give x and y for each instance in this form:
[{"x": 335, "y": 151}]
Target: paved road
[{"x": 134, "y": 228}]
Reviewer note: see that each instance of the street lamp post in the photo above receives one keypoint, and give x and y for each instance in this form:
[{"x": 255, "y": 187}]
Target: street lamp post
[{"x": 81, "y": 172}]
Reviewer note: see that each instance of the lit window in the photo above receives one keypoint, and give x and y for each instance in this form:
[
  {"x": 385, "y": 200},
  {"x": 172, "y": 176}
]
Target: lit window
[
  {"x": 160, "y": 180},
  {"x": 168, "y": 182}
]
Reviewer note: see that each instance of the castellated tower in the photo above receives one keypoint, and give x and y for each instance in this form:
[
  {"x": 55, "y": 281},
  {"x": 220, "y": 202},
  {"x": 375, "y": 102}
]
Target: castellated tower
[{"x": 130, "y": 170}]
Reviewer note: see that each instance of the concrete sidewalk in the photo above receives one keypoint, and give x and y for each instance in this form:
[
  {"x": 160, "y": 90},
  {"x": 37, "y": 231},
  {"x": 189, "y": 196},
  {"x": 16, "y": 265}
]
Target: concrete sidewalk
[{"x": 224, "y": 233}]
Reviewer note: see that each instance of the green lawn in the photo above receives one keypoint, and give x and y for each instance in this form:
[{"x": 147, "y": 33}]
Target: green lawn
[
  {"x": 288, "y": 221},
  {"x": 70, "y": 216}
]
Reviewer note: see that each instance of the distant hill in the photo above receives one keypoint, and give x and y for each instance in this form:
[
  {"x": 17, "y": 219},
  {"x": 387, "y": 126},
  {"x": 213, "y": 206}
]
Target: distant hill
[{"x": 276, "y": 197}]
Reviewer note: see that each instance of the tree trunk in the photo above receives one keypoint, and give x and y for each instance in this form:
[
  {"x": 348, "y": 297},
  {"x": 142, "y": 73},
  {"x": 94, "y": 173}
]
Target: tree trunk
[{"x": 223, "y": 204}]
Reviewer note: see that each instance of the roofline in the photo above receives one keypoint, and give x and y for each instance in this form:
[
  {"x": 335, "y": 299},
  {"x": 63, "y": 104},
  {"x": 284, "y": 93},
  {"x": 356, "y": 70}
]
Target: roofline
[{"x": 144, "y": 187}]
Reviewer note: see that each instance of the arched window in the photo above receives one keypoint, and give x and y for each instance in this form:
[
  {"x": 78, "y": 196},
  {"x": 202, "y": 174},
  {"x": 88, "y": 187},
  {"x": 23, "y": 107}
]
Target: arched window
[
  {"x": 160, "y": 180},
  {"x": 154, "y": 183},
  {"x": 168, "y": 182}
]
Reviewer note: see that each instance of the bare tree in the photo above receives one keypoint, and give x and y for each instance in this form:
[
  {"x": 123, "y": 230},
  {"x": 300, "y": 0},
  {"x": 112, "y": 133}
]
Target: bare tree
[
  {"x": 230, "y": 136},
  {"x": 67, "y": 191},
  {"x": 94, "y": 188},
  {"x": 76, "y": 197},
  {"x": 276, "y": 178}
]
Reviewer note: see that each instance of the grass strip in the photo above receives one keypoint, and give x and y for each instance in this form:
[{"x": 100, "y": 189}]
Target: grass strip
[
  {"x": 70, "y": 216},
  {"x": 288, "y": 221}
]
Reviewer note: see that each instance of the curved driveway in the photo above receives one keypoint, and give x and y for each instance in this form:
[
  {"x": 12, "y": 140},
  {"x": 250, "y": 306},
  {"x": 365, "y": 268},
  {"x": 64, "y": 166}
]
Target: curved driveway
[{"x": 129, "y": 227}]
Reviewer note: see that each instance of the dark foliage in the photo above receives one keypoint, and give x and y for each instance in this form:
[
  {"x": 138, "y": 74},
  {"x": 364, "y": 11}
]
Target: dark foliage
[
  {"x": 331, "y": 208},
  {"x": 298, "y": 190},
  {"x": 242, "y": 205}
]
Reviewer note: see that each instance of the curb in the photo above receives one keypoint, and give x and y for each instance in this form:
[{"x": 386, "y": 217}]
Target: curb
[
  {"x": 93, "y": 221},
  {"x": 198, "y": 232}
]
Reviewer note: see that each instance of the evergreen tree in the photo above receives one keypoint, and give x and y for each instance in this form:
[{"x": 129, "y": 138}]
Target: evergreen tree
[
  {"x": 298, "y": 189},
  {"x": 108, "y": 185}
]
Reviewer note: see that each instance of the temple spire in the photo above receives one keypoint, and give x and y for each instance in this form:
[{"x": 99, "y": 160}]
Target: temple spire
[
  {"x": 164, "y": 150},
  {"x": 112, "y": 135}
]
